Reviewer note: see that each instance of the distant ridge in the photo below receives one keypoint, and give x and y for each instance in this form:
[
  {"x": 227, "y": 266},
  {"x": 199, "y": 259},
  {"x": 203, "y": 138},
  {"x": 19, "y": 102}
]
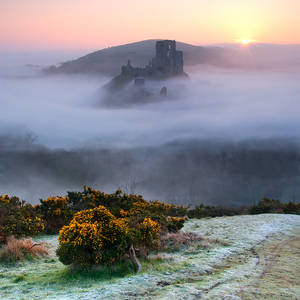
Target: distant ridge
[{"x": 108, "y": 61}]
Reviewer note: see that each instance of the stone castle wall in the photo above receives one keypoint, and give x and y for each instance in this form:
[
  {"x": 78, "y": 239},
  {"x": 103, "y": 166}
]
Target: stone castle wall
[{"x": 167, "y": 62}]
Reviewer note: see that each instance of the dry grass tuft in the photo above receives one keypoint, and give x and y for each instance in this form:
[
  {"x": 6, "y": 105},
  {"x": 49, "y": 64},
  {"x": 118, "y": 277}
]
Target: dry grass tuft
[
  {"x": 178, "y": 240},
  {"x": 162, "y": 257},
  {"x": 18, "y": 249}
]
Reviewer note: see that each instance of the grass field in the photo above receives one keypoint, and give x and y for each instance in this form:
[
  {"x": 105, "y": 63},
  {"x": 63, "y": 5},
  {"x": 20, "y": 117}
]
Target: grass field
[{"x": 245, "y": 257}]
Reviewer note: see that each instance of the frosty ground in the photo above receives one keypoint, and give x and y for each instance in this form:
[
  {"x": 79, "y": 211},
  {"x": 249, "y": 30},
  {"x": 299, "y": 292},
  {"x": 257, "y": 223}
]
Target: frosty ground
[{"x": 246, "y": 257}]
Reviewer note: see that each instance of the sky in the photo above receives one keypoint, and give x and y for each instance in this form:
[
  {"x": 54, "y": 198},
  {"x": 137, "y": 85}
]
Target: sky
[{"x": 94, "y": 24}]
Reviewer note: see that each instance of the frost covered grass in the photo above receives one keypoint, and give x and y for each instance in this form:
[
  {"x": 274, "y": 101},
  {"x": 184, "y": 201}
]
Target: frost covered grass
[{"x": 229, "y": 264}]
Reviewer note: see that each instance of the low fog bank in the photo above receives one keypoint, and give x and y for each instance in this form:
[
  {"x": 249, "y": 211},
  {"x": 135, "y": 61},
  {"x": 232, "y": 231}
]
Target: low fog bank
[
  {"x": 66, "y": 111},
  {"x": 184, "y": 171},
  {"x": 229, "y": 137}
]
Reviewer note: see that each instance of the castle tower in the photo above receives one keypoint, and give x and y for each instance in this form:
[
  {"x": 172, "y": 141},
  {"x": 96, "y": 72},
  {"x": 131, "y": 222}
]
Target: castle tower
[{"x": 168, "y": 60}]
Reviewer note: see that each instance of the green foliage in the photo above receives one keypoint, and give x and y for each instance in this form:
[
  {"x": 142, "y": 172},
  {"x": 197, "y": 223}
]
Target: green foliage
[
  {"x": 91, "y": 198},
  {"x": 274, "y": 206},
  {"x": 18, "y": 218},
  {"x": 157, "y": 211},
  {"x": 169, "y": 216},
  {"x": 204, "y": 211},
  {"x": 292, "y": 208},
  {"x": 56, "y": 212},
  {"x": 174, "y": 224},
  {"x": 94, "y": 236}
]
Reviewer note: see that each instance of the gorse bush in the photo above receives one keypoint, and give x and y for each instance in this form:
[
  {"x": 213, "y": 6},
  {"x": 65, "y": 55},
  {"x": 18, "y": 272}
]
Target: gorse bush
[
  {"x": 158, "y": 212},
  {"x": 23, "y": 226},
  {"x": 50, "y": 215},
  {"x": 91, "y": 198},
  {"x": 175, "y": 223},
  {"x": 18, "y": 218},
  {"x": 96, "y": 236},
  {"x": 56, "y": 212},
  {"x": 117, "y": 201},
  {"x": 93, "y": 236}
]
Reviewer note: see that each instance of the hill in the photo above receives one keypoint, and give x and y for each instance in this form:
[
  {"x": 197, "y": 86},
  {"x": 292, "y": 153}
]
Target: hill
[{"x": 108, "y": 61}]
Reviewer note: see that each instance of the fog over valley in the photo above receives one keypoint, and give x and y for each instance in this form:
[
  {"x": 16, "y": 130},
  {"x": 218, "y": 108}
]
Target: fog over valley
[{"x": 225, "y": 136}]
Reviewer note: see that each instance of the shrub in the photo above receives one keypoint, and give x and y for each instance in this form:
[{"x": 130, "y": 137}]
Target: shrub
[
  {"x": 18, "y": 218},
  {"x": 158, "y": 212},
  {"x": 267, "y": 206},
  {"x": 23, "y": 226},
  {"x": 93, "y": 236},
  {"x": 119, "y": 201},
  {"x": 292, "y": 208},
  {"x": 149, "y": 232},
  {"x": 134, "y": 207},
  {"x": 175, "y": 223},
  {"x": 274, "y": 206},
  {"x": 56, "y": 212},
  {"x": 204, "y": 211},
  {"x": 91, "y": 198},
  {"x": 96, "y": 236},
  {"x": 18, "y": 249}
]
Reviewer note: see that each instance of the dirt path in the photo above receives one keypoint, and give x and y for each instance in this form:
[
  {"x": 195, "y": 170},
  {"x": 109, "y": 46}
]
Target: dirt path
[
  {"x": 268, "y": 270},
  {"x": 275, "y": 273},
  {"x": 280, "y": 275}
]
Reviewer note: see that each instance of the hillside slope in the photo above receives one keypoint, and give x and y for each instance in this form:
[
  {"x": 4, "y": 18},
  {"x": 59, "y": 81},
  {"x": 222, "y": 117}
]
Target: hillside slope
[
  {"x": 256, "y": 56},
  {"x": 109, "y": 61}
]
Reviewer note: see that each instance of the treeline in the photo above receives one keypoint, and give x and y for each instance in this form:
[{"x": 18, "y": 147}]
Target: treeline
[
  {"x": 19, "y": 218},
  {"x": 264, "y": 206},
  {"x": 182, "y": 172}
]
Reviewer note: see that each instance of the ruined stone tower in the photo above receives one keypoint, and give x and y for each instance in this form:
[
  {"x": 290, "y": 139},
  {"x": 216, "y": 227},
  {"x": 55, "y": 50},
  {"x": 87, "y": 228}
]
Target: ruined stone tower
[
  {"x": 131, "y": 85},
  {"x": 167, "y": 63},
  {"x": 168, "y": 60}
]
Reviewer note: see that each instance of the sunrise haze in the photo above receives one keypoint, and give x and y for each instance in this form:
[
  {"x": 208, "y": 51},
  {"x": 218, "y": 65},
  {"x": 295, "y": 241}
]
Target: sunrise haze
[{"x": 92, "y": 24}]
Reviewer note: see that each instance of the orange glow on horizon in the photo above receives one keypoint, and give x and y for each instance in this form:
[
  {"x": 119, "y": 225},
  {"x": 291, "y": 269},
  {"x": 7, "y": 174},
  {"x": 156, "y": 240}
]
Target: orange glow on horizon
[
  {"x": 246, "y": 42},
  {"x": 87, "y": 24}
]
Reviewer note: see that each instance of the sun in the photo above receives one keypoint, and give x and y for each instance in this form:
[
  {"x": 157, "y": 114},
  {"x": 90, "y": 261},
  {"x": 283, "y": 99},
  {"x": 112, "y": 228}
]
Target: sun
[{"x": 246, "y": 42}]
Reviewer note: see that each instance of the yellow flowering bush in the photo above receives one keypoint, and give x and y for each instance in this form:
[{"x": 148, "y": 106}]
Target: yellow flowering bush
[
  {"x": 149, "y": 231},
  {"x": 24, "y": 226},
  {"x": 18, "y": 218},
  {"x": 174, "y": 223},
  {"x": 94, "y": 236},
  {"x": 131, "y": 206},
  {"x": 157, "y": 211},
  {"x": 91, "y": 198},
  {"x": 56, "y": 212}
]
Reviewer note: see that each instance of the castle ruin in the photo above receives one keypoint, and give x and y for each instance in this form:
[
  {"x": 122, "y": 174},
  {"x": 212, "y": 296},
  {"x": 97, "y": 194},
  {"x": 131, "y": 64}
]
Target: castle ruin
[{"x": 168, "y": 62}]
